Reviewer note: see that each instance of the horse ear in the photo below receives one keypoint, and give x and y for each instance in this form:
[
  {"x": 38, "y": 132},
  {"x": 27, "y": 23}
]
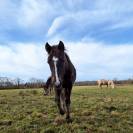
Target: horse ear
[
  {"x": 48, "y": 47},
  {"x": 61, "y": 46}
]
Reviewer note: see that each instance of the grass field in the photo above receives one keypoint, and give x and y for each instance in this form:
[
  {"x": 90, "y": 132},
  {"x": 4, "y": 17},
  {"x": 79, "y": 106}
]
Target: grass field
[{"x": 92, "y": 110}]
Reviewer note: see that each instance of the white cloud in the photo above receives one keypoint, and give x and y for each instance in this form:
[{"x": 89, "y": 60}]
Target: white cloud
[
  {"x": 7, "y": 14},
  {"x": 104, "y": 16},
  {"x": 64, "y": 17},
  {"x": 99, "y": 60},
  {"x": 92, "y": 60},
  {"x": 31, "y": 13},
  {"x": 23, "y": 60},
  {"x": 59, "y": 23},
  {"x": 63, "y": 20}
]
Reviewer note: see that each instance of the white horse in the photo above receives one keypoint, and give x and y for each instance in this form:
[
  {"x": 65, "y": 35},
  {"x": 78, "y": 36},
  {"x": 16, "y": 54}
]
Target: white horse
[
  {"x": 111, "y": 83},
  {"x": 105, "y": 82}
]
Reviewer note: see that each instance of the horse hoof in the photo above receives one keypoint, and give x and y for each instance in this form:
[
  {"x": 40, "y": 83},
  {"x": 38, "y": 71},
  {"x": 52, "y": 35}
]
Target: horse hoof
[
  {"x": 68, "y": 120},
  {"x": 62, "y": 112},
  {"x": 55, "y": 99}
]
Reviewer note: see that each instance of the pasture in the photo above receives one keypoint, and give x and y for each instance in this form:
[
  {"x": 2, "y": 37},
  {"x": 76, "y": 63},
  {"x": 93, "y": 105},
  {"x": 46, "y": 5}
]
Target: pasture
[{"x": 93, "y": 110}]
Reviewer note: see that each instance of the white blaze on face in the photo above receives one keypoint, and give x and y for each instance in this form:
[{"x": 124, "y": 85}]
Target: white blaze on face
[{"x": 57, "y": 82}]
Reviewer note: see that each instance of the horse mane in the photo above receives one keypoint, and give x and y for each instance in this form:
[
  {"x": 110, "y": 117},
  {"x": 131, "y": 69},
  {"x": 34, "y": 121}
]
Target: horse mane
[{"x": 67, "y": 57}]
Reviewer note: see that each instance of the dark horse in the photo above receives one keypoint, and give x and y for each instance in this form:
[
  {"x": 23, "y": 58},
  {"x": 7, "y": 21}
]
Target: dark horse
[
  {"x": 64, "y": 75},
  {"x": 48, "y": 87}
]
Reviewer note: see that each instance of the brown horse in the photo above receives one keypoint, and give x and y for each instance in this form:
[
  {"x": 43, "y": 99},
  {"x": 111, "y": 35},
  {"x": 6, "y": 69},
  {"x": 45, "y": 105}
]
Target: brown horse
[
  {"x": 48, "y": 87},
  {"x": 105, "y": 82},
  {"x": 64, "y": 76}
]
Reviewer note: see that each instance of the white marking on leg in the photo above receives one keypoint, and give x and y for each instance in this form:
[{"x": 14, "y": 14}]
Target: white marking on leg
[{"x": 55, "y": 59}]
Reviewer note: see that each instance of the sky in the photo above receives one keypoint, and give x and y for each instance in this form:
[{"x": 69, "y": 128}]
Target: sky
[{"x": 97, "y": 34}]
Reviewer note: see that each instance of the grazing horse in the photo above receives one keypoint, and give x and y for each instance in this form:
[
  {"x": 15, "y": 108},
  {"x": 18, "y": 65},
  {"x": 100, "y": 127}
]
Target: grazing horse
[
  {"x": 111, "y": 83},
  {"x": 64, "y": 76},
  {"x": 48, "y": 87},
  {"x": 105, "y": 82}
]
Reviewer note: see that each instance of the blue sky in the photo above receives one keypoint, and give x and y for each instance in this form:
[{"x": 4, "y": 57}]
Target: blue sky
[{"x": 98, "y": 35}]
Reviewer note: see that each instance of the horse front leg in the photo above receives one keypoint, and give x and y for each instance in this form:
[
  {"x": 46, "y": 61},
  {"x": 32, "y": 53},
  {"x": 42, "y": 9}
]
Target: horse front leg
[
  {"x": 98, "y": 86},
  {"x": 62, "y": 98},
  {"x": 45, "y": 91},
  {"x": 50, "y": 90},
  {"x": 68, "y": 101},
  {"x": 101, "y": 86},
  {"x": 58, "y": 100}
]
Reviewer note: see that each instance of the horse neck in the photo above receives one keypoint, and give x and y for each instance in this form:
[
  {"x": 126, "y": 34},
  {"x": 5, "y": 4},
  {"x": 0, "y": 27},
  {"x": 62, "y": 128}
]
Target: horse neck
[
  {"x": 69, "y": 64},
  {"x": 70, "y": 69}
]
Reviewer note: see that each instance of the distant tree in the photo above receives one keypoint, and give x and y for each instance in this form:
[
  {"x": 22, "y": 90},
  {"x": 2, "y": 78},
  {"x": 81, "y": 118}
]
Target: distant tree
[
  {"x": 5, "y": 82},
  {"x": 36, "y": 83},
  {"x": 18, "y": 82}
]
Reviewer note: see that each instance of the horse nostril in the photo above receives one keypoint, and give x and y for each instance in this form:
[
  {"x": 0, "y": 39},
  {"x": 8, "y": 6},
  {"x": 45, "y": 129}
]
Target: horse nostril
[{"x": 57, "y": 84}]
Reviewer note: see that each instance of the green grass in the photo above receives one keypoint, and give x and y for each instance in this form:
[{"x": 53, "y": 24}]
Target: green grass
[{"x": 92, "y": 110}]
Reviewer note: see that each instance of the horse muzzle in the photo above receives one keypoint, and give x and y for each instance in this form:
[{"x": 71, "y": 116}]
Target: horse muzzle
[{"x": 57, "y": 84}]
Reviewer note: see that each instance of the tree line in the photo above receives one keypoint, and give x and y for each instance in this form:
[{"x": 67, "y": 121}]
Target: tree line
[{"x": 17, "y": 83}]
